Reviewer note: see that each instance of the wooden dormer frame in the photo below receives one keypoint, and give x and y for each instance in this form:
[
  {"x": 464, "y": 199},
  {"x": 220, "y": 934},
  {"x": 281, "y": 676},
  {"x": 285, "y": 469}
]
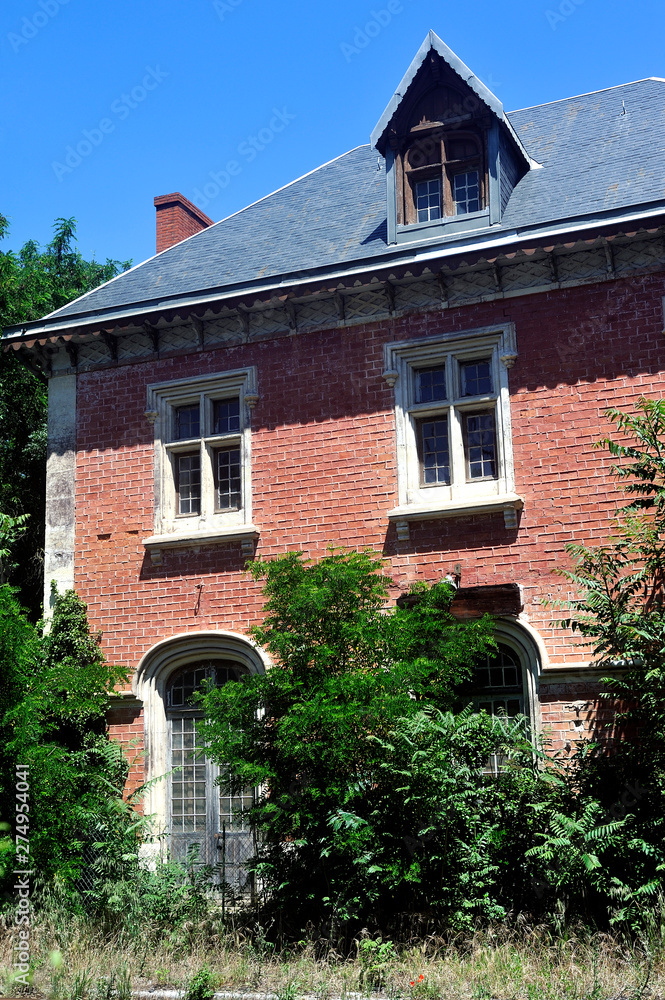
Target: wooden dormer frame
[{"x": 440, "y": 166}]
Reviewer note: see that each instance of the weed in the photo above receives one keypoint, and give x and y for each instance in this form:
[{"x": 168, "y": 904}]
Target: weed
[{"x": 200, "y": 986}]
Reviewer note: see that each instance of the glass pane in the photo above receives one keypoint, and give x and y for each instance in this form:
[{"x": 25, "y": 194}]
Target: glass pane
[
  {"x": 466, "y": 192},
  {"x": 188, "y": 797},
  {"x": 228, "y": 479},
  {"x": 431, "y": 384},
  {"x": 435, "y": 452},
  {"x": 476, "y": 378},
  {"x": 226, "y": 416},
  {"x": 499, "y": 670},
  {"x": 187, "y": 422},
  {"x": 189, "y": 484},
  {"x": 428, "y": 200},
  {"x": 231, "y": 809},
  {"x": 480, "y": 446}
]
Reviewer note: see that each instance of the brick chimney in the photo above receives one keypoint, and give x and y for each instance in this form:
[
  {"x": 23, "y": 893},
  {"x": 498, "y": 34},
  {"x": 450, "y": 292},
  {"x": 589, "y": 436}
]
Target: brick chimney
[{"x": 177, "y": 218}]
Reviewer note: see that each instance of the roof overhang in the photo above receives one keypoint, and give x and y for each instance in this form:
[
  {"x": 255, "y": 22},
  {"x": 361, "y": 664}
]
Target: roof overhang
[{"x": 488, "y": 246}]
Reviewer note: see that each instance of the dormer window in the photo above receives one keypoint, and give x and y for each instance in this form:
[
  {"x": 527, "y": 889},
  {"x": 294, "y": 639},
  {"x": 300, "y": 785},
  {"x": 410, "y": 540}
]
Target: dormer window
[
  {"x": 452, "y": 157},
  {"x": 442, "y": 175}
]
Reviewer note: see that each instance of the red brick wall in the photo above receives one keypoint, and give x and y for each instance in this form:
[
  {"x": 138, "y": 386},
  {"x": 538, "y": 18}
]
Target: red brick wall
[
  {"x": 126, "y": 726},
  {"x": 177, "y": 218},
  {"x": 324, "y": 472}
]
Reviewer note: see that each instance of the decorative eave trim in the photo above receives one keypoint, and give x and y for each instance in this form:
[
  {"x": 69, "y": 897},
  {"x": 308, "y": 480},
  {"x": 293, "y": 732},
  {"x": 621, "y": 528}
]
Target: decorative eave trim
[
  {"x": 429, "y": 286},
  {"x": 491, "y": 246}
]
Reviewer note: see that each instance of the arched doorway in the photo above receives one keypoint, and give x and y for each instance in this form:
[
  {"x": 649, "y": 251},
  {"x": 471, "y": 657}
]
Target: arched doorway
[
  {"x": 205, "y": 822},
  {"x": 188, "y": 808}
]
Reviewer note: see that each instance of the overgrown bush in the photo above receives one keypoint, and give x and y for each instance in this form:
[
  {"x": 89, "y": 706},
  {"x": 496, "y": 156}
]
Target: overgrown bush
[
  {"x": 54, "y": 695},
  {"x": 374, "y": 799}
]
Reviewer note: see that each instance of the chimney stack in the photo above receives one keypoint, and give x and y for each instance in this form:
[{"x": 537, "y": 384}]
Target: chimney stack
[{"x": 177, "y": 218}]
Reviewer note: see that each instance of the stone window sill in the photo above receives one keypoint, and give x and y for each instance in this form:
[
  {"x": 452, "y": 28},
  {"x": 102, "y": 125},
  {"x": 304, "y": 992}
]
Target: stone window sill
[
  {"x": 246, "y": 534},
  {"x": 508, "y": 503}
]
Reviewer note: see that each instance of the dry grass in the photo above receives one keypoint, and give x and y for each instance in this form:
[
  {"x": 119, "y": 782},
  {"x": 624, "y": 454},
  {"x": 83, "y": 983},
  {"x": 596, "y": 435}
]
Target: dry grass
[{"x": 509, "y": 965}]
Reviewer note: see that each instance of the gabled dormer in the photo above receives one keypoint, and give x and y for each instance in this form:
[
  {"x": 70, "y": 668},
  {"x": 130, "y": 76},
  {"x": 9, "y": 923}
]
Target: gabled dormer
[{"x": 452, "y": 157}]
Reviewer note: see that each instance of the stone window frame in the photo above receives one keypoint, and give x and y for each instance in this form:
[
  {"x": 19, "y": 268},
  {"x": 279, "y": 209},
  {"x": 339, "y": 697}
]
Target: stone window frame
[
  {"x": 210, "y": 525},
  {"x": 402, "y": 361}
]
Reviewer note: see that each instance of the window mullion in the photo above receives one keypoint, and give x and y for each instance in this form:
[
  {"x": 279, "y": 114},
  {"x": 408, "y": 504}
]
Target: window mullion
[
  {"x": 207, "y": 480},
  {"x": 457, "y": 456}
]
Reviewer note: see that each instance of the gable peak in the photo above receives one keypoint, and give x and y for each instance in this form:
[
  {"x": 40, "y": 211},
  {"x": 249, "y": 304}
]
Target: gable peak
[{"x": 435, "y": 67}]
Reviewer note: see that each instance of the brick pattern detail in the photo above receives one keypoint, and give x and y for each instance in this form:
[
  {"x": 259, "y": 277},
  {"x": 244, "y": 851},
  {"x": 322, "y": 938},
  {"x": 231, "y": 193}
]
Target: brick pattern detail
[
  {"x": 125, "y": 724},
  {"x": 324, "y": 468},
  {"x": 177, "y": 218}
]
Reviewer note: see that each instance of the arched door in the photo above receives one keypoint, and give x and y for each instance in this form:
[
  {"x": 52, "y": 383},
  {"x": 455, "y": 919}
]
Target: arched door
[{"x": 203, "y": 818}]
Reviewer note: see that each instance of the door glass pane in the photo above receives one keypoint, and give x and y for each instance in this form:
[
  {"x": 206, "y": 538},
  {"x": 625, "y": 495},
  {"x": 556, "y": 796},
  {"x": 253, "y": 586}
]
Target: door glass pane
[
  {"x": 202, "y": 817},
  {"x": 188, "y": 780}
]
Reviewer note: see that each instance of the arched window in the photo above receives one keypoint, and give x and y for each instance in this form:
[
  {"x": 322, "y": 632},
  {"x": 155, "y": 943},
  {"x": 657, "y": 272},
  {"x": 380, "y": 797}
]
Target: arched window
[
  {"x": 202, "y": 816},
  {"x": 499, "y": 683},
  {"x": 504, "y": 682}
]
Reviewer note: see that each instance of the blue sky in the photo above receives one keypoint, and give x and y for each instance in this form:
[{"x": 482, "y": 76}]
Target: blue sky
[{"x": 160, "y": 97}]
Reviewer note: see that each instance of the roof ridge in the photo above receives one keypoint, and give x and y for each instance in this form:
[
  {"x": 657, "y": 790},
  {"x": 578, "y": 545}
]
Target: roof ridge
[{"x": 588, "y": 93}]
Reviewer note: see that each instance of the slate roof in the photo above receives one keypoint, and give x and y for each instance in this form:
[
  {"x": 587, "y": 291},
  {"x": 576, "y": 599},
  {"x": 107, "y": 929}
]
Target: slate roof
[{"x": 600, "y": 153}]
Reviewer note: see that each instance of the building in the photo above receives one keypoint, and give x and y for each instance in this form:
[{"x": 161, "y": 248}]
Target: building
[{"x": 409, "y": 349}]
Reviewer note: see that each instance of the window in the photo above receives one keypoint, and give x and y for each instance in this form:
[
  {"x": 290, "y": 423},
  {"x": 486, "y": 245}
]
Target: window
[
  {"x": 452, "y": 414},
  {"x": 442, "y": 175},
  {"x": 203, "y": 817},
  {"x": 500, "y": 689},
  {"x": 203, "y": 457},
  {"x": 499, "y": 684},
  {"x": 428, "y": 200},
  {"x": 504, "y": 682}
]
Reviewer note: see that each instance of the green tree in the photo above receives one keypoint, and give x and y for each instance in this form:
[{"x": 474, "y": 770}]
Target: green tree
[
  {"x": 33, "y": 282},
  {"x": 54, "y": 695},
  {"x": 620, "y": 614},
  {"x": 311, "y": 734}
]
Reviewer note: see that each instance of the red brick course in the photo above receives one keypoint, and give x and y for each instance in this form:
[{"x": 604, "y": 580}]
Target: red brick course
[{"x": 125, "y": 725}]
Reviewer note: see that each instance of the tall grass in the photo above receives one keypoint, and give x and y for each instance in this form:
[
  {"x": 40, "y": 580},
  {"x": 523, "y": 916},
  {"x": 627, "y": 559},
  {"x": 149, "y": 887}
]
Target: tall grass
[{"x": 72, "y": 959}]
